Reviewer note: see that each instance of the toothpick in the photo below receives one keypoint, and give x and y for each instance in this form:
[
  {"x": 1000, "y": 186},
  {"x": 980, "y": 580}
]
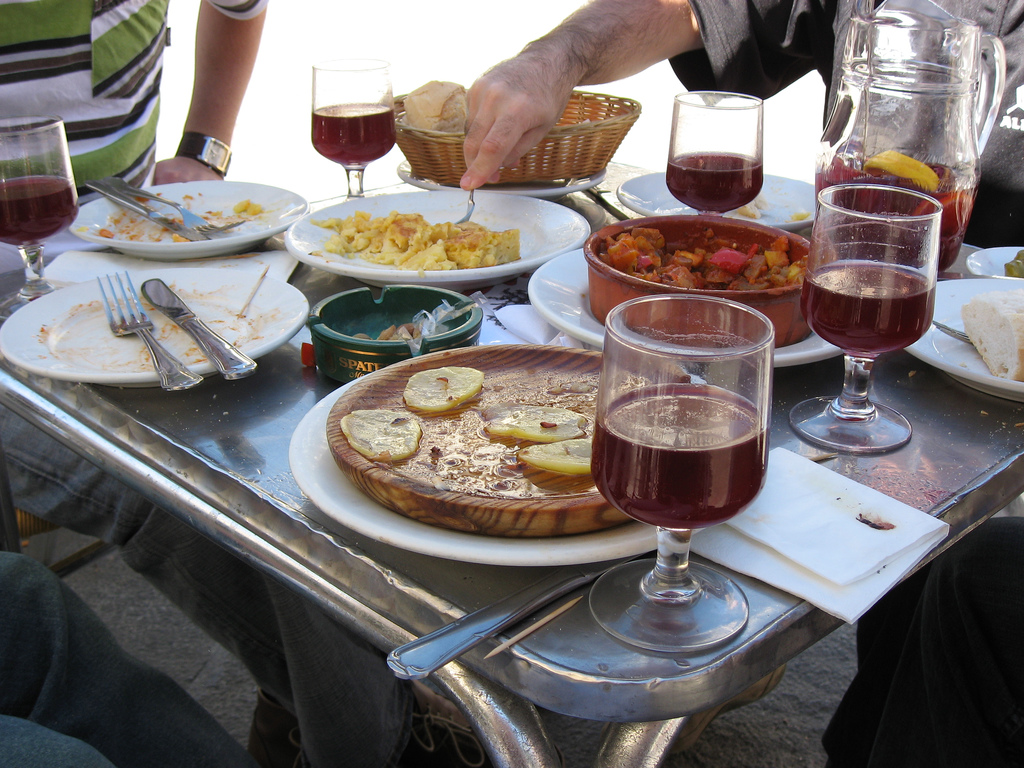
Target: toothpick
[
  {"x": 534, "y": 627},
  {"x": 252, "y": 294}
]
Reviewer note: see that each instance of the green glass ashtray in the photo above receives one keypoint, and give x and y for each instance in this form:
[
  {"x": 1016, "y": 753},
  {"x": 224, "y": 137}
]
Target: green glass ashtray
[{"x": 339, "y": 322}]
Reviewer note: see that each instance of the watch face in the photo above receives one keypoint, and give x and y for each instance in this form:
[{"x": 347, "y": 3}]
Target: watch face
[{"x": 207, "y": 150}]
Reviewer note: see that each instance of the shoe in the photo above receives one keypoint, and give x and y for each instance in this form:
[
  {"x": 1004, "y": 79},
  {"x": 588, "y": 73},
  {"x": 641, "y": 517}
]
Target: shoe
[
  {"x": 695, "y": 726},
  {"x": 439, "y": 740},
  {"x": 274, "y": 735}
]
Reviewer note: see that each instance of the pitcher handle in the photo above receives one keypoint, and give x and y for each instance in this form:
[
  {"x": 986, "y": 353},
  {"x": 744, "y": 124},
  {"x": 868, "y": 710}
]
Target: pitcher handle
[{"x": 990, "y": 87}]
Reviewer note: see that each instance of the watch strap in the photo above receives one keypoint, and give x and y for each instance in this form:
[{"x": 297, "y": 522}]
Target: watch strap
[{"x": 209, "y": 151}]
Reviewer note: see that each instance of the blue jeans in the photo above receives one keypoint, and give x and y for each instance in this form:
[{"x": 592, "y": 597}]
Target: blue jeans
[
  {"x": 69, "y": 695},
  {"x": 352, "y": 711},
  {"x": 940, "y": 677}
]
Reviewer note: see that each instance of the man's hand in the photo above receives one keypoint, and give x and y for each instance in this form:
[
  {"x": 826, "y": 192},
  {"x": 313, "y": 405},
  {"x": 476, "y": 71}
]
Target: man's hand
[
  {"x": 182, "y": 169},
  {"x": 511, "y": 108}
]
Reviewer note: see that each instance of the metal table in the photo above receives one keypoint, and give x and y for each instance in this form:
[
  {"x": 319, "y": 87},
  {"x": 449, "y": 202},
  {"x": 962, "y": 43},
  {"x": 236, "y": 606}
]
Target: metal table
[{"x": 217, "y": 457}]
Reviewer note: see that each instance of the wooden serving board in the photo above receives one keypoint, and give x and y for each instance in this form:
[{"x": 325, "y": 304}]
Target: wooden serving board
[{"x": 461, "y": 478}]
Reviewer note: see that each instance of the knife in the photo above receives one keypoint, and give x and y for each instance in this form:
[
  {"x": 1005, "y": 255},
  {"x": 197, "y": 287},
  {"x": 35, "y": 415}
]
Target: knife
[
  {"x": 418, "y": 658},
  {"x": 229, "y": 361},
  {"x": 146, "y": 212}
]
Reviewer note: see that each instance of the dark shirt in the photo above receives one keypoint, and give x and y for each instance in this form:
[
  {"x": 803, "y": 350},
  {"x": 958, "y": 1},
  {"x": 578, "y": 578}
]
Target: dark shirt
[{"x": 762, "y": 46}]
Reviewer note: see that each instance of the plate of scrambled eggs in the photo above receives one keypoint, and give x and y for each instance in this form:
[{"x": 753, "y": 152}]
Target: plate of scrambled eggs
[
  {"x": 262, "y": 210},
  {"x": 408, "y": 238}
]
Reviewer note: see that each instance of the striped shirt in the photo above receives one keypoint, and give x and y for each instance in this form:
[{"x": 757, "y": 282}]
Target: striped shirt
[{"x": 97, "y": 64}]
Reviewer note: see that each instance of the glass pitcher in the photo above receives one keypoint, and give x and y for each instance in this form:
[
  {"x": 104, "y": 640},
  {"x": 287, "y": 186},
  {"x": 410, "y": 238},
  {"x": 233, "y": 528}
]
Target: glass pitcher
[{"x": 918, "y": 96}]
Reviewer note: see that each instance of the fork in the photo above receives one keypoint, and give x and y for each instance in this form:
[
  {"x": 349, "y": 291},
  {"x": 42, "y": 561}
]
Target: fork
[
  {"x": 954, "y": 332},
  {"x": 188, "y": 218},
  {"x": 469, "y": 208},
  {"x": 132, "y": 318}
]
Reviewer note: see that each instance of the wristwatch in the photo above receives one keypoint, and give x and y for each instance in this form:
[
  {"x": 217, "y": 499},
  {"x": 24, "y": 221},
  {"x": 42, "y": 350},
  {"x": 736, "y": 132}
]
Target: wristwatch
[{"x": 209, "y": 151}]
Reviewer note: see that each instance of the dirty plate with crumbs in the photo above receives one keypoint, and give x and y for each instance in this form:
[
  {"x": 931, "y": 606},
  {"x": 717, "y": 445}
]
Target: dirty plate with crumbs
[
  {"x": 464, "y": 480},
  {"x": 263, "y": 210},
  {"x": 64, "y": 335}
]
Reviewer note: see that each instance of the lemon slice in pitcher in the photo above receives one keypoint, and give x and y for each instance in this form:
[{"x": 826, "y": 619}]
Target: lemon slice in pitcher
[
  {"x": 382, "y": 435},
  {"x": 568, "y": 457},
  {"x": 905, "y": 167},
  {"x": 441, "y": 389}
]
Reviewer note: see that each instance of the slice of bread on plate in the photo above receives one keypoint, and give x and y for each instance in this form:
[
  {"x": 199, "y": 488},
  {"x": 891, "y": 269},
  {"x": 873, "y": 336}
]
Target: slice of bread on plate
[{"x": 995, "y": 323}]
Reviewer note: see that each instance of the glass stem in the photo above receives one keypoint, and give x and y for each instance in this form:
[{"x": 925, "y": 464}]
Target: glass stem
[
  {"x": 355, "y": 181},
  {"x": 853, "y": 404},
  {"x": 670, "y": 581},
  {"x": 35, "y": 284}
]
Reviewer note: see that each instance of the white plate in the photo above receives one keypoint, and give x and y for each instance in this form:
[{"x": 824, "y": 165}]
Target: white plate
[
  {"x": 313, "y": 467},
  {"x": 64, "y": 335},
  {"x": 280, "y": 210},
  {"x": 558, "y": 291},
  {"x": 541, "y": 189},
  {"x": 957, "y": 358},
  {"x": 989, "y": 262},
  {"x": 787, "y": 199},
  {"x": 546, "y": 229}
]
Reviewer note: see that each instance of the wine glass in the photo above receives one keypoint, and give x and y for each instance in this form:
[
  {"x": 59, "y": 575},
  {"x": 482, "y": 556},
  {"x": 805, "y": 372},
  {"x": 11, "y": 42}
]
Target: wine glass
[
  {"x": 715, "y": 151},
  {"x": 353, "y": 115},
  {"x": 37, "y": 194},
  {"x": 680, "y": 442},
  {"x": 869, "y": 289}
]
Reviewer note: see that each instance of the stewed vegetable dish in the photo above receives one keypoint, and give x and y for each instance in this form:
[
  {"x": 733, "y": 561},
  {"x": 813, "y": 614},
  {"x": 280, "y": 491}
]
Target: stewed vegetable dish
[{"x": 705, "y": 261}]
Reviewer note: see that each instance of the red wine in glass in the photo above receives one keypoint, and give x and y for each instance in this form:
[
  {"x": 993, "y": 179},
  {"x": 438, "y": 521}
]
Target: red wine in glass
[
  {"x": 714, "y": 181},
  {"x": 34, "y": 208},
  {"x": 702, "y": 464},
  {"x": 954, "y": 193},
  {"x": 867, "y": 308},
  {"x": 354, "y": 134}
]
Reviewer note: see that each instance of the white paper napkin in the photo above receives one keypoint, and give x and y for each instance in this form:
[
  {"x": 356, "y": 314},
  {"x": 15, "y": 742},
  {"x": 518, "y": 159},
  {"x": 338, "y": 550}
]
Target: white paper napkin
[
  {"x": 512, "y": 323},
  {"x": 806, "y": 534},
  {"x": 79, "y": 266}
]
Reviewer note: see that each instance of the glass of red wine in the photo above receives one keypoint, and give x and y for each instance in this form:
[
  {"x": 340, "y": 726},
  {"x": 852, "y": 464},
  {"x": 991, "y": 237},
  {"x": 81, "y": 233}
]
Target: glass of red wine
[
  {"x": 680, "y": 442},
  {"x": 715, "y": 156},
  {"x": 37, "y": 194},
  {"x": 869, "y": 289},
  {"x": 353, "y": 115}
]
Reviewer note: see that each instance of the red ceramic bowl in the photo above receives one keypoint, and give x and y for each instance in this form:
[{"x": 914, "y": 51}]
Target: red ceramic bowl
[{"x": 610, "y": 286}]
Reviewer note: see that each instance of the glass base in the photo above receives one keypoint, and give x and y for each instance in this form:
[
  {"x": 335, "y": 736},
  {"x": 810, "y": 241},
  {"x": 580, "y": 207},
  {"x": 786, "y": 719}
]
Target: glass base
[
  {"x": 884, "y": 431},
  {"x": 718, "y": 612}
]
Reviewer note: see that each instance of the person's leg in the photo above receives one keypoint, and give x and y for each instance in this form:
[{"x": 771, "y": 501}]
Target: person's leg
[
  {"x": 60, "y": 668},
  {"x": 54, "y": 483},
  {"x": 955, "y": 687},
  {"x": 352, "y": 710},
  {"x": 28, "y": 745},
  {"x": 230, "y": 600}
]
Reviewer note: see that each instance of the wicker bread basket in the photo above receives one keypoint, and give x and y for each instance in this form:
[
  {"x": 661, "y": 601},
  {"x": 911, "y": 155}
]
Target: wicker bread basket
[{"x": 580, "y": 145}]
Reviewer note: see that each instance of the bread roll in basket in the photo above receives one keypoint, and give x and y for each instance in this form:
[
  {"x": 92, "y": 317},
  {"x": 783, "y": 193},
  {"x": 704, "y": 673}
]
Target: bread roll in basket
[{"x": 580, "y": 145}]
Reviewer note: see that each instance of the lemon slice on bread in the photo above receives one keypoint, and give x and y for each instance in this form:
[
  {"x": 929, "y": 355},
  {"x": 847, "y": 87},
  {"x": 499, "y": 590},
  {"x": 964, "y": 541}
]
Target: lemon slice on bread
[
  {"x": 568, "y": 457},
  {"x": 382, "y": 435},
  {"x": 536, "y": 423},
  {"x": 441, "y": 389}
]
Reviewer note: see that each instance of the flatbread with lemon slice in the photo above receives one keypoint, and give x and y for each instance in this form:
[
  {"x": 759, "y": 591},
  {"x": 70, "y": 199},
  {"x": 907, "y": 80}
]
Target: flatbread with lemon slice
[
  {"x": 382, "y": 435},
  {"x": 441, "y": 389},
  {"x": 568, "y": 457},
  {"x": 463, "y": 479}
]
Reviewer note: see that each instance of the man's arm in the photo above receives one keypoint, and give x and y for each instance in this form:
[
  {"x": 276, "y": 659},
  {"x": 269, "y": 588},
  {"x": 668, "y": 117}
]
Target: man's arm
[
  {"x": 516, "y": 103},
  {"x": 226, "y": 51}
]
